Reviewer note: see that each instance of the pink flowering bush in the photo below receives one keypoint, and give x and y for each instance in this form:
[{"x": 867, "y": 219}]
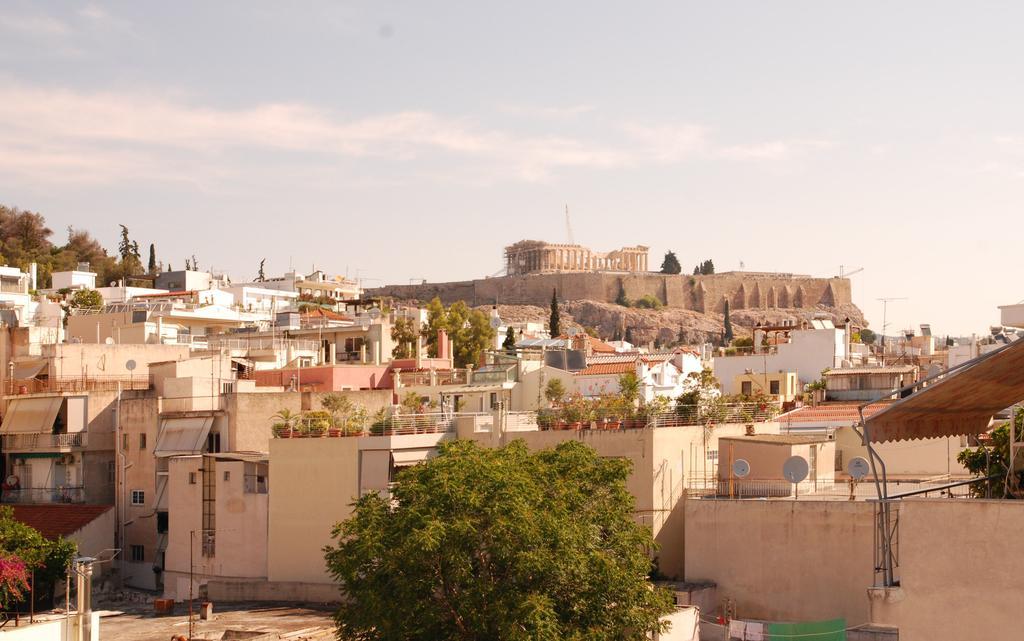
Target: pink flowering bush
[{"x": 13, "y": 580}]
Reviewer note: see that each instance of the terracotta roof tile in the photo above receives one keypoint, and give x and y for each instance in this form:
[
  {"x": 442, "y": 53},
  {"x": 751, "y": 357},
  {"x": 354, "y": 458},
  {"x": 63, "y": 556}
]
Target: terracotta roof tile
[
  {"x": 599, "y": 369},
  {"x": 58, "y": 519},
  {"x": 829, "y": 413}
]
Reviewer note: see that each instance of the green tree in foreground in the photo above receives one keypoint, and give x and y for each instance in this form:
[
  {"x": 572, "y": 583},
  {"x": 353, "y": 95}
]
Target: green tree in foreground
[
  {"x": 403, "y": 333},
  {"x": 502, "y": 543},
  {"x": 48, "y": 558},
  {"x": 992, "y": 460},
  {"x": 509, "y": 344}
]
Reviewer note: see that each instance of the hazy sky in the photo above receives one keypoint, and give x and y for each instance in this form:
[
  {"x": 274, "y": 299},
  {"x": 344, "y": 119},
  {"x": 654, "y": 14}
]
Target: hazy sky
[{"x": 415, "y": 140}]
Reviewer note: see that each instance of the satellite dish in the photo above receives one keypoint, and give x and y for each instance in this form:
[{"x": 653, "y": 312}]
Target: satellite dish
[
  {"x": 858, "y": 468},
  {"x": 795, "y": 469},
  {"x": 495, "y": 322},
  {"x": 373, "y": 313},
  {"x": 130, "y": 365},
  {"x": 740, "y": 468},
  {"x": 108, "y": 340}
]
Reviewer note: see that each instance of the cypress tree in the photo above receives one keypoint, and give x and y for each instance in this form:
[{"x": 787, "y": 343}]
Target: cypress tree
[
  {"x": 152, "y": 258},
  {"x": 728, "y": 336},
  {"x": 554, "y": 323}
]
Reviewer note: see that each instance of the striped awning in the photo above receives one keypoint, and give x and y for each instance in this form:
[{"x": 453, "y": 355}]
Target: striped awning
[{"x": 961, "y": 403}]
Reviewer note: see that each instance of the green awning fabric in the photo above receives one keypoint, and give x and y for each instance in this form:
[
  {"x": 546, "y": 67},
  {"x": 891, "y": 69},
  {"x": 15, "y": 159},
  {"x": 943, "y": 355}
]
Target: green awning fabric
[{"x": 834, "y": 630}]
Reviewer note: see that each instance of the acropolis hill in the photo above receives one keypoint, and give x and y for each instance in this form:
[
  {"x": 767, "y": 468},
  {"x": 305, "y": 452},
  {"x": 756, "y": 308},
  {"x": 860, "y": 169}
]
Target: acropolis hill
[{"x": 536, "y": 268}]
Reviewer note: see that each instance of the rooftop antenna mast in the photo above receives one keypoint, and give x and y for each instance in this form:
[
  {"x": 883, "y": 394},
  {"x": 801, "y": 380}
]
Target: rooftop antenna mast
[
  {"x": 885, "y": 316},
  {"x": 843, "y": 273},
  {"x": 568, "y": 227}
]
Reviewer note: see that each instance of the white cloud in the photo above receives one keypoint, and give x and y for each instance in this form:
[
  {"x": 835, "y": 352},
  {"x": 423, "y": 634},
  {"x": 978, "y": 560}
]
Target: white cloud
[
  {"x": 33, "y": 25},
  {"x": 52, "y": 134},
  {"x": 772, "y": 150}
]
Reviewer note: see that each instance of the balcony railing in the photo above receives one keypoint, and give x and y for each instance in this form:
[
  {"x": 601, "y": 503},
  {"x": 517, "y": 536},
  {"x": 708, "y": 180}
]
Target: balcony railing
[
  {"x": 79, "y": 384},
  {"x": 42, "y": 441},
  {"x": 44, "y": 495},
  {"x": 441, "y": 377}
]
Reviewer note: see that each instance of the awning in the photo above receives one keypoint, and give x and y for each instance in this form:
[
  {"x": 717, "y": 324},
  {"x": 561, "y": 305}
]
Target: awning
[
  {"x": 31, "y": 415},
  {"x": 374, "y": 471},
  {"x": 184, "y": 435},
  {"x": 28, "y": 369},
  {"x": 405, "y": 458},
  {"x": 961, "y": 403}
]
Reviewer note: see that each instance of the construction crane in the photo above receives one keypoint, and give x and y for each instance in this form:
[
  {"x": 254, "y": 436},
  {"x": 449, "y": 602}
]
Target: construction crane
[
  {"x": 885, "y": 322},
  {"x": 568, "y": 226},
  {"x": 843, "y": 273}
]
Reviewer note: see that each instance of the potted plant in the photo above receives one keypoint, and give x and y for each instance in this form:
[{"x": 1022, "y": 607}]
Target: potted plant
[
  {"x": 545, "y": 419},
  {"x": 316, "y": 423},
  {"x": 284, "y": 422},
  {"x": 356, "y": 423},
  {"x": 340, "y": 408},
  {"x": 380, "y": 423}
]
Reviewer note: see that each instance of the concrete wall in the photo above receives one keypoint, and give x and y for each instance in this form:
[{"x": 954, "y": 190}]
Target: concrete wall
[
  {"x": 920, "y": 458},
  {"x": 784, "y": 560},
  {"x": 55, "y": 630},
  {"x": 960, "y": 571},
  {"x": 700, "y": 293}
]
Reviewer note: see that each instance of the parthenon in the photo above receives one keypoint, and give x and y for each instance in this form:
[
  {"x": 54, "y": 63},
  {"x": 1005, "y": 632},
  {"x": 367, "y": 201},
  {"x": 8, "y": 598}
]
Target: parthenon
[{"x": 539, "y": 257}]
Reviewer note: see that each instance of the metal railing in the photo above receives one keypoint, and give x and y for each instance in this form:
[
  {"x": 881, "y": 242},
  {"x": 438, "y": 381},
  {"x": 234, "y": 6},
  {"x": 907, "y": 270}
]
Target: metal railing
[
  {"x": 440, "y": 377},
  {"x": 260, "y": 342},
  {"x": 44, "y": 495},
  {"x": 681, "y": 415},
  {"x": 43, "y": 441},
  {"x": 79, "y": 384}
]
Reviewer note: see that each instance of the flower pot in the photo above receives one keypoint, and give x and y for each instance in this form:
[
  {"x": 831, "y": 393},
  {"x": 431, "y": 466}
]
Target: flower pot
[
  {"x": 613, "y": 424},
  {"x": 334, "y": 432},
  {"x": 561, "y": 425},
  {"x": 576, "y": 425}
]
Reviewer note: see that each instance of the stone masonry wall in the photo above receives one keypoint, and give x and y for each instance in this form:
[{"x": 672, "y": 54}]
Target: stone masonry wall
[{"x": 705, "y": 294}]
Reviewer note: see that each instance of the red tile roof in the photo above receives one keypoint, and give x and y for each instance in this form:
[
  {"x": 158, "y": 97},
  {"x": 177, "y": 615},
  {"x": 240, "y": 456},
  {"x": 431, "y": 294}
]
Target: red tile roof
[
  {"x": 830, "y": 412},
  {"x": 325, "y": 313},
  {"x": 58, "y": 519},
  {"x": 598, "y": 369}
]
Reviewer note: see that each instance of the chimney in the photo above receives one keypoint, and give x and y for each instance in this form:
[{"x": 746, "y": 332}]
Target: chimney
[
  {"x": 33, "y": 276},
  {"x": 83, "y": 571},
  {"x": 442, "y": 344}
]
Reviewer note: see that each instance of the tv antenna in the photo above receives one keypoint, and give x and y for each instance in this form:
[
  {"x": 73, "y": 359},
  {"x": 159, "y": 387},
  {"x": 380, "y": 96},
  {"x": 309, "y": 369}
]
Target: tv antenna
[
  {"x": 843, "y": 273},
  {"x": 885, "y": 318},
  {"x": 568, "y": 226}
]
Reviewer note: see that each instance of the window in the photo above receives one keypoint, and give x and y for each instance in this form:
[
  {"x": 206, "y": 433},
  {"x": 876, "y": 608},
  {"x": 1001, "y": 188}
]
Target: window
[
  {"x": 191, "y": 478},
  {"x": 213, "y": 442},
  {"x": 124, "y": 442},
  {"x": 142, "y": 441},
  {"x": 137, "y": 553},
  {"x": 227, "y": 475},
  {"x": 746, "y": 388},
  {"x": 494, "y": 400},
  {"x": 712, "y": 455},
  {"x": 138, "y": 497},
  {"x": 111, "y": 472},
  {"x": 773, "y": 387},
  {"x": 162, "y": 522}
]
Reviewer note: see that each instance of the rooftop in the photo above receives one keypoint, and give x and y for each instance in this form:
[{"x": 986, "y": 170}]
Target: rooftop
[
  {"x": 779, "y": 439},
  {"x": 891, "y": 369},
  {"x": 53, "y": 520}
]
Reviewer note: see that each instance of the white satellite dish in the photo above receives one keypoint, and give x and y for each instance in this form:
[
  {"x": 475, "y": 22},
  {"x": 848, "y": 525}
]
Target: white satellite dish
[
  {"x": 795, "y": 469},
  {"x": 740, "y": 468},
  {"x": 108, "y": 340},
  {"x": 130, "y": 365},
  {"x": 495, "y": 322},
  {"x": 858, "y": 468}
]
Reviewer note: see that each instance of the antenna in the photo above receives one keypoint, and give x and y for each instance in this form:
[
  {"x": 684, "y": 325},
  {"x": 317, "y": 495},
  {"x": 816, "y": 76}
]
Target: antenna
[
  {"x": 853, "y": 270},
  {"x": 568, "y": 227},
  {"x": 885, "y": 322}
]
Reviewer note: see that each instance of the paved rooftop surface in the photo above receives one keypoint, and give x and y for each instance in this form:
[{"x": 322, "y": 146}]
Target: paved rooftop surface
[{"x": 241, "y": 621}]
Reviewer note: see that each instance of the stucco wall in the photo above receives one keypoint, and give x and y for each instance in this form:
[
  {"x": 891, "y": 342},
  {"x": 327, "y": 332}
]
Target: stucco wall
[
  {"x": 784, "y": 560},
  {"x": 699, "y": 293},
  {"x": 960, "y": 571}
]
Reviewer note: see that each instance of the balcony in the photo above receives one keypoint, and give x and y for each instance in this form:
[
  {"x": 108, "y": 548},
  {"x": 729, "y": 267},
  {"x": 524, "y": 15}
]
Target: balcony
[
  {"x": 42, "y": 441},
  {"x": 44, "y": 495},
  {"x": 78, "y": 384}
]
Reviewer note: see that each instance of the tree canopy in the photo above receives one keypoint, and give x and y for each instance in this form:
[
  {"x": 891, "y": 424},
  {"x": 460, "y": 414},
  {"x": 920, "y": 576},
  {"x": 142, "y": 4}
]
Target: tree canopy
[
  {"x": 671, "y": 264},
  {"x": 706, "y": 268},
  {"x": 48, "y": 558},
  {"x": 469, "y": 329},
  {"x": 403, "y": 332},
  {"x": 509, "y": 344},
  {"x": 727, "y": 335},
  {"x": 493, "y": 544}
]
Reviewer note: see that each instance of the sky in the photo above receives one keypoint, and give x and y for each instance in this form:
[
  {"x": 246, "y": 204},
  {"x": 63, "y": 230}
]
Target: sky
[{"x": 410, "y": 140}]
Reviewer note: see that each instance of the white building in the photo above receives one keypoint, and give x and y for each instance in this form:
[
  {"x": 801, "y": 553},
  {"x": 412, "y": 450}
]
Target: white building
[
  {"x": 804, "y": 351},
  {"x": 660, "y": 374},
  {"x": 317, "y": 284},
  {"x": 80, "y": 278},
  {"x": 262, "y": 299}
]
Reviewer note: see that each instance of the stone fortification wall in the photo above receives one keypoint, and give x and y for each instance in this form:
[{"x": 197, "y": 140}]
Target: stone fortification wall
[{"x": 705, "y": 294}]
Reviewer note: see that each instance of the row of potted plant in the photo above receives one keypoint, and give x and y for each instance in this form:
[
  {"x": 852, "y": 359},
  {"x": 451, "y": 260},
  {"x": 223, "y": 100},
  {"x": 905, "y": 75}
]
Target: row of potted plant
[
  {"x": 605, "y": 412},
  {"x": 288, "y": 424}
]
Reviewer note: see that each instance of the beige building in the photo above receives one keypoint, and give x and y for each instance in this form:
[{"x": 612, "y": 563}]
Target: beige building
[
  {"x": 766, "y": 455},
  {"x": 665, "y": 460},
  {"x": 784, "y": 385},
  {"x": 535, "y": 256}
]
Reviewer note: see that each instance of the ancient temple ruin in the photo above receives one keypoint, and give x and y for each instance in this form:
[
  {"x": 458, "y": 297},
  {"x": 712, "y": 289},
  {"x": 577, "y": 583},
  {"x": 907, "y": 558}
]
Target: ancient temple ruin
[{"x": 539, "y": 257}]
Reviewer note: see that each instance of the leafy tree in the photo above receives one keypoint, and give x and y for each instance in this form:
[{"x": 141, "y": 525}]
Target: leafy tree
[
  {"x": 993, "y": 460},
  {"x": 706, "y": 268},
  {"x": 482, "y": 544},
  {"x": 621, "y": 298},
  {"x": 13, "y": 580},
  {"x": 648, "y": 301},
  {"x": 629, "y": 387},
  {"x": 152, "y": 267},
  {"x": 868, "y": 337},
  {"x": 554, "y": 323},
  {"x": 403, "y": 333},
  {"x": 86, "y": 299},
  {"x": 509, "y": 344},
  {"x": 48, "y": 558},
  {"x": 437, "y": 319},
  {"x": 728, "y": 335},
  {"x": 671, "y": 264},
  {"x": 473, "y": 338},
  {"x": 629, "y": 336},
  {"x": 554, "y": 391},
  {"x": 338, "y": 405}
]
